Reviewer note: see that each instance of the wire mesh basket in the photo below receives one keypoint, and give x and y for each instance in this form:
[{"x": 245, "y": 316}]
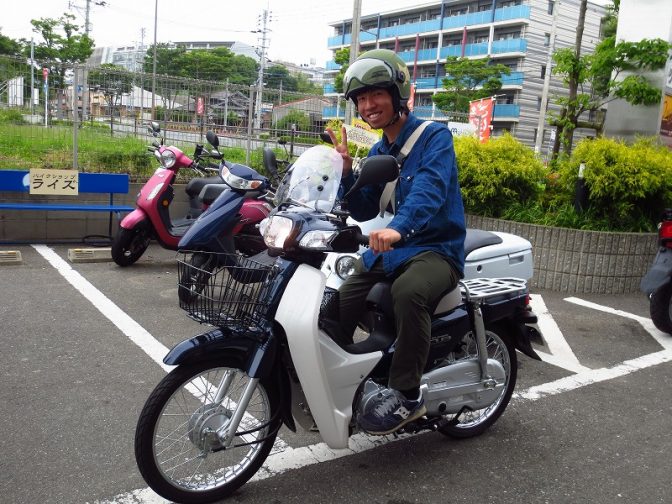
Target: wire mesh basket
[{"x": 225, "y": 290}]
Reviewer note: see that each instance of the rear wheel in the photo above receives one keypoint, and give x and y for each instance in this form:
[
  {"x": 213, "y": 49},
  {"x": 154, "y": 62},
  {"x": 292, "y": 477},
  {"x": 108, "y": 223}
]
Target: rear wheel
[
  {"x": 129, "y": 245},
  {"x": 660, "y": 308},
  {"x": 176, "y": 447},
  {"x": 473, "y": 423}
]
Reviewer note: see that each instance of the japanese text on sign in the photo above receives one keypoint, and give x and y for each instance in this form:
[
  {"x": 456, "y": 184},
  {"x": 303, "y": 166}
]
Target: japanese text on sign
[{"x": 63, "y": 182}]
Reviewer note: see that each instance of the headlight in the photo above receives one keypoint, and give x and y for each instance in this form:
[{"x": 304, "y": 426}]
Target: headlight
[
  {"x": 275, "y": 231},
  {"x": 168, "y": 158},
  {"x": 317, "y": 240},
  {"x": 345, "y": 266},
  {"x": 238, "y": 182}
]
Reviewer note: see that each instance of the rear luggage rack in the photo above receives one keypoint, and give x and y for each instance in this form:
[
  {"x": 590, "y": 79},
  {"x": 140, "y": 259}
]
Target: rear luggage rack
[{"x": 484, "y": 289}]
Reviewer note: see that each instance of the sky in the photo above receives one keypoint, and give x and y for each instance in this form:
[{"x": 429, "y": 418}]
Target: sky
[{"x": 299, "y": 29}]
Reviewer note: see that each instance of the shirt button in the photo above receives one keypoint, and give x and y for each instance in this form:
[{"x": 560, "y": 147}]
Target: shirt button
[{"x": 408, "y": 178}]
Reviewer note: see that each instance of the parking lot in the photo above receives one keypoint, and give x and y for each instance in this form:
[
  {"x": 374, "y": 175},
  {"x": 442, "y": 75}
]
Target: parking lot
[{"x": 82, "y": 346}]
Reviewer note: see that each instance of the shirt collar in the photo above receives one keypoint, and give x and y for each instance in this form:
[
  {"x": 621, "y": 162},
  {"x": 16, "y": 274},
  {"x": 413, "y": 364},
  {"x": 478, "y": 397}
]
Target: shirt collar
[{"x": 407, "y": 129}]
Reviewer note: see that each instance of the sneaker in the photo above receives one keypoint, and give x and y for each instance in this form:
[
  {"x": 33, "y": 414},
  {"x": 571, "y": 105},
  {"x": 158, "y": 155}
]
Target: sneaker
[{"x": 389, "y": 411}]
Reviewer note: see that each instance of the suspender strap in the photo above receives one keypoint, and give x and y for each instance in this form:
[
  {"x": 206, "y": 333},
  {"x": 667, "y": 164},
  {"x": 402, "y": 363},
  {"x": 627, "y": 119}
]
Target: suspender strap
[{"x": 387, "y": 196}]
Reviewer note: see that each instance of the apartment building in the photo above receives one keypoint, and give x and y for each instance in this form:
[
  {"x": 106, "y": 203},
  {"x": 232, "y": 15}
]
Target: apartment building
[{"x": 515, "y": 33}]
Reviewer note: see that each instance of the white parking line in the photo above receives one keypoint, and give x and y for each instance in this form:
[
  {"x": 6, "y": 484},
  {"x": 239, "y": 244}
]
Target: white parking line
[{"x": 561, "y": 353}]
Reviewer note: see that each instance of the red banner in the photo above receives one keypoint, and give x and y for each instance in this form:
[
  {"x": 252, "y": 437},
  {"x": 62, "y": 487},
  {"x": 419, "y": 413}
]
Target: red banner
[{"x": 480, "y": 116}]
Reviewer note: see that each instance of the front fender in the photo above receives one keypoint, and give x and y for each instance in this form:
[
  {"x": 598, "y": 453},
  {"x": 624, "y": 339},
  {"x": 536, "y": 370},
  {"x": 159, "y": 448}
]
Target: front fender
[
  {"x": 659, "y": 273},
  {"x": 133, "y": 219},
  {"x": 257, "y": 357}
]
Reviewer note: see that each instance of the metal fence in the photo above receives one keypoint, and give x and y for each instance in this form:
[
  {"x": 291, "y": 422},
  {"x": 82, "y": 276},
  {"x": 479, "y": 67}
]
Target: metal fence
[{"x": 75, "y": 104}]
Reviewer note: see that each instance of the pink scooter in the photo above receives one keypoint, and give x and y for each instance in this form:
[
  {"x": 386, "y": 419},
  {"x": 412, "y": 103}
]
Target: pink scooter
[{"x": 151, "y": 219}]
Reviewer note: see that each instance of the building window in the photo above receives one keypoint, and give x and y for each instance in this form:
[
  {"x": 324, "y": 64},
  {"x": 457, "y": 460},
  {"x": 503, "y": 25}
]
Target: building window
[
  {"x": 536, "y": 132},
  {"x": 551, "y": 6},
  {"x": 543, "y": 71},
  {"x": 547, "y": 39},
  {"x": 538, "y": 102}
]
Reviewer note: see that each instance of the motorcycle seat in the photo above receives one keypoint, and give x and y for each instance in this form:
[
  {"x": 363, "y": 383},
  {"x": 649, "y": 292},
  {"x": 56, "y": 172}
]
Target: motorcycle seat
[
  {"x": 210, "y": 192},
  {"x": 196, "y": 185},
  {"x": 380, "y": 296},
  {"x": 477, "y": 238}
]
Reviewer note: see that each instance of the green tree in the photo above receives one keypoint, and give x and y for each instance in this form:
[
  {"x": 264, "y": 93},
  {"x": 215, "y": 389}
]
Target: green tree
[
  {"x": 300, "y": 119},
  {"x": 304, "y": 85},
  {"x": 613, "y": 71},
  {"x": 9, "y": 46},
  {"x": 277, "y": 74},
  {"x": 466, "y": 80},
  {"x": 62, "y": 45},
  {"x": 342, "y": 57}
]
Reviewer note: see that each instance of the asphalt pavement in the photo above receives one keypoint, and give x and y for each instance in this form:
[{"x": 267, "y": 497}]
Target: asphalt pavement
[{"x": 81, "y": 346}]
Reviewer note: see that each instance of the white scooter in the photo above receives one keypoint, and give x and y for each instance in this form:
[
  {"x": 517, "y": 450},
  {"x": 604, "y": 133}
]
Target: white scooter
[{"x": 270, "y": 358}]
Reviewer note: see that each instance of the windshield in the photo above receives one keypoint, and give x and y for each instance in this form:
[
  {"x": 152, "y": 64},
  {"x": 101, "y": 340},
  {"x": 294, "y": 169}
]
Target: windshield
[{"x": 315, "y": 178}]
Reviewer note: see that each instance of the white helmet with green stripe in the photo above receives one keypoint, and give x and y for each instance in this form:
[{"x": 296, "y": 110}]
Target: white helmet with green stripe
[{"x": 379, "y": 68}]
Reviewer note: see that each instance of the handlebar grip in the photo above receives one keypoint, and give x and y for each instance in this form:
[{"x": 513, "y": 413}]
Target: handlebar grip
[{"x": 362, "y": 239}]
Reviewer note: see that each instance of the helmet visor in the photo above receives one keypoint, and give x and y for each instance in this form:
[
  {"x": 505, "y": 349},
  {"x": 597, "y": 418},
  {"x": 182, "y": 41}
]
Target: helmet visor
[{"x": 366, "y": 73}]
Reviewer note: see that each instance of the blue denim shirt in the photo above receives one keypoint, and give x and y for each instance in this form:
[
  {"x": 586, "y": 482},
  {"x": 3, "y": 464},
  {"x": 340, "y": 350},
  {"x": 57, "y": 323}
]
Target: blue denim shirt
[{"x": 429, "y": 213}]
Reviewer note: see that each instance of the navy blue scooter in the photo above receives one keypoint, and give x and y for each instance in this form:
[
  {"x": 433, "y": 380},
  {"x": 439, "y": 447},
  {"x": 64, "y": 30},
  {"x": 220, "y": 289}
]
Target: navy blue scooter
[{"x": 228, "y": 225}]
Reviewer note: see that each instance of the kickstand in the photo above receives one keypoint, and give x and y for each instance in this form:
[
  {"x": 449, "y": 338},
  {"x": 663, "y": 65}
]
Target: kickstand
[{"x": 455, "y": 421}]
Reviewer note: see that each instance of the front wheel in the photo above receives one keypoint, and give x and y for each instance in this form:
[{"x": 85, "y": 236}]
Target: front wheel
[
  {"x": 473, "y": 423},
  {"x": 129, "y": 245},
  {"x": 176, "y": 447},
  {"x": 660, "y": 308}
]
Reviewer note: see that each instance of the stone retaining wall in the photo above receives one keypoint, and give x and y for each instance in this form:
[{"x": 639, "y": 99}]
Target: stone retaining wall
[{"x": 576, "y": 261}]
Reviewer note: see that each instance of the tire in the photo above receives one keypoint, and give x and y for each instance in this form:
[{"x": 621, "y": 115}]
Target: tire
[
  {"x": 660, "y": 308},
  {"x": 129, "y": 245},
  {"x": 193, "y": 280},
  {"x": 179, "y": 411},
  {"x": 474, "y": 423}
]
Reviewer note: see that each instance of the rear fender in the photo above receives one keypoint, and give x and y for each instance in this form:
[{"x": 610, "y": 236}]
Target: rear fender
[{"x": 659, "y": 273}]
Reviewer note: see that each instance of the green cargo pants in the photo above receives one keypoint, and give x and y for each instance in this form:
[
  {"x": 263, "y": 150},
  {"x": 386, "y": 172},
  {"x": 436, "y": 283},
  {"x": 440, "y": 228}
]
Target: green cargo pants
[{"x": 417, "y": 286}]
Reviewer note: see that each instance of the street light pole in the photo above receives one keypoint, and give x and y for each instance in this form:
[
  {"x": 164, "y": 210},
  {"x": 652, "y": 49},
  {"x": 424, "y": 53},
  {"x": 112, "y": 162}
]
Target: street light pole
[
  {"x": 547, "y": 80},
  {"x": 354, "y": 48},
  {"x": 156, "y": 11}
]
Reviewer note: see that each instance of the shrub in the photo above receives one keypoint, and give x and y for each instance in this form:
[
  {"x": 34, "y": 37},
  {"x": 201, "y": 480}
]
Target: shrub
[
  {"x": 498, "y": 174},
  {"x": 626, "y": 184},
  {"x": 12, "y": 116}
]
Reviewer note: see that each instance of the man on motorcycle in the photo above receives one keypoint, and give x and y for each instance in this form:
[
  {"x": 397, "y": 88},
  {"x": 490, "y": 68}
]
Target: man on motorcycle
[{"x": 421, "y": 249}]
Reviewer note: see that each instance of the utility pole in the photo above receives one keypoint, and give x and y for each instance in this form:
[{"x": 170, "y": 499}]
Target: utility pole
[
  {"x": 354, "y": 49},
  {"x": 547, "y": 80},
  {"x": 262, "y": 67},
  {"x": 142, "y": 76}
]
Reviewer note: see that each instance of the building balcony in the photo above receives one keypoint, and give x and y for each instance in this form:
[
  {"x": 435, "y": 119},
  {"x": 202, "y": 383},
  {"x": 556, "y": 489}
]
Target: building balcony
[
  {"x": 479, "y": 49},
  {"x": 433, "y": 25},
  {"x": 333, "y": 112},
  {"x": 332, "y": 65},
  {"x": 506, "y": 112},
  {"x": 509, "y": 46},
  {"x": 328, "y": 89},
  {"x": 425, "y": 83}
]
